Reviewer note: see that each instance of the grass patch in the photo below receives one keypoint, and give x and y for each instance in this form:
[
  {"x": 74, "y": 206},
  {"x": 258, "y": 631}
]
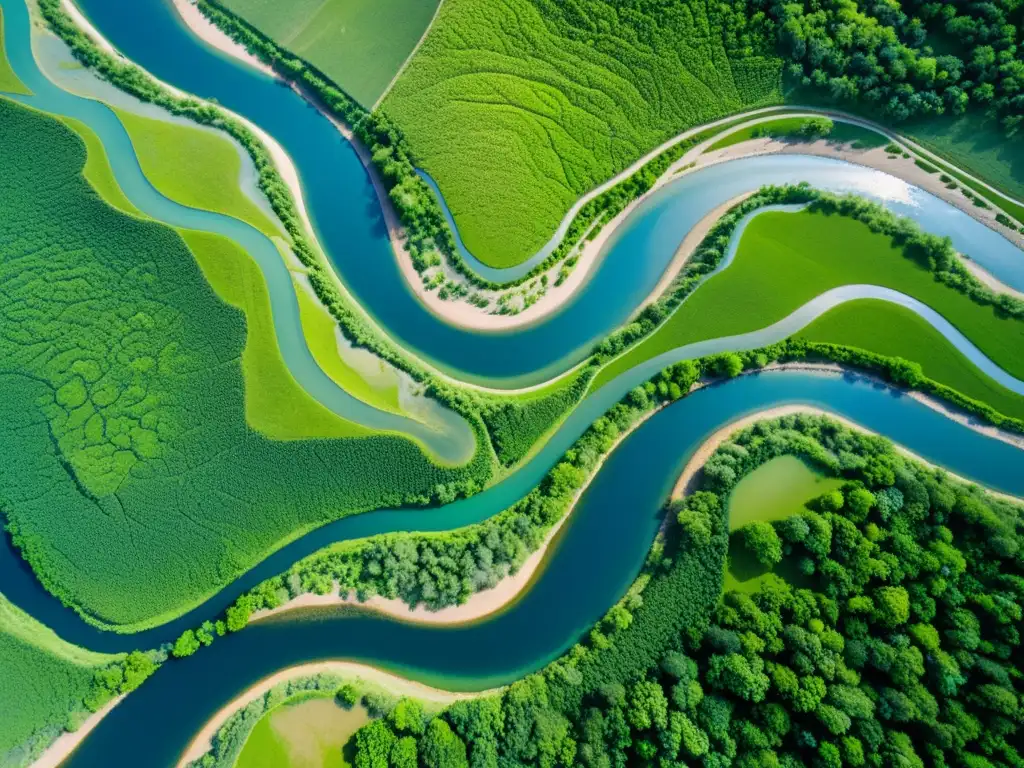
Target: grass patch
[
  {"x": 979, "y": 146},
  {"x": 321, "y": 332},
  {"x": 45, "y": 681},
  {"x": 517, "y": 108},
  {"x": 774, "y": 491},
  {"x": 137, "y": 487},
  {"x": 888, "y": 329},
  {"x": 196, "y": 167},
  {"x": 275, "y": 403},
  {"x": 786, "y": 259},
  {"x": 309, "y": 733},
  {"x": 9, "y": 81},
  {"x": 791, "y": 128},
  {"x": 359, "y": 44}
]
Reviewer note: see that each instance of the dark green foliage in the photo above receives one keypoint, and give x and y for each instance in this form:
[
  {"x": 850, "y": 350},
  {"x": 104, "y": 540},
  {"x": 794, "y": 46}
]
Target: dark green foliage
[
  {"x": 902, "y": 651},
  {"x": 517, "y": 423},
  {"x": 138, "y": 487},
  {"x": 879, "y": 54},
  {"x": 133, "y": 80}
]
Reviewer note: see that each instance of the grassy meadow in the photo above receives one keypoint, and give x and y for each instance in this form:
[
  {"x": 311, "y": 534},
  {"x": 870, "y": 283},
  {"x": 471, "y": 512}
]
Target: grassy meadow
[
  {"x": 359, "y": 44},
  {"x": 786, "y": 259},
  {"x": 790, "y": 128},
  {"x": 43, "y": 686},
  {"x": 518, "y": 107},
  {"x": 888, "y": 329},
  {"x": 309, "y": 733},
  {"x": 197, "y": 167},
  {"x": 774, "y": 491},
  {"x": 138, "y": 487}
]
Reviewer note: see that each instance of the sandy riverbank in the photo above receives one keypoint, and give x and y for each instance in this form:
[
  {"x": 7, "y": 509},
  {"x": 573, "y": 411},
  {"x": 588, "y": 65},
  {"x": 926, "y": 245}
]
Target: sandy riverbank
[
  {"x": 66, "y": 743},
  {"x": 480, "y": 604},
  {"x": 399, "y": 686},
  {"x": 877, "y": 159}
]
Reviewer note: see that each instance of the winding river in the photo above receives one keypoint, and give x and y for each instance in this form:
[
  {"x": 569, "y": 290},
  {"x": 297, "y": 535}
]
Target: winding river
[
  {"x": 617, "y": 517},
  {"x": 349, "y": 224}
]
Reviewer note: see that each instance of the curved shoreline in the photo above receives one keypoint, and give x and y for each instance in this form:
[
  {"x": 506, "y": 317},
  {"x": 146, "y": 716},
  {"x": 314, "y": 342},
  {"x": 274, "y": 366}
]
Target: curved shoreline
[
  {"x": 68, "y": 741},
  {"x": 486, "y": 603},
  {"x": 399, "y": 686},
  {"x": 451, "y": 616},
  {"x": 464, "y": 315}
]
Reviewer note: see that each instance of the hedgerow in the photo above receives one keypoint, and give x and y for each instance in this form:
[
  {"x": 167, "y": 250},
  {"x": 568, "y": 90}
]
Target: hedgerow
[
  {"x": 443, "y": 569},
  {"x": 135, "y": 486},
  {"x": 894, "y": 642}
]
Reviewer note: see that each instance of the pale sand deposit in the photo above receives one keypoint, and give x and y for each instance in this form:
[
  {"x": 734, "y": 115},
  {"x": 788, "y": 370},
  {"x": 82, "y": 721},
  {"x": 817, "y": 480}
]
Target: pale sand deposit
[
  {"x": 214, "y": 36},
  {"x": 480, "y": 604},
  {"x": 465, "y": 315},
  {"x": 399, "y": 686},
  {"x": 66, "y": 743}
]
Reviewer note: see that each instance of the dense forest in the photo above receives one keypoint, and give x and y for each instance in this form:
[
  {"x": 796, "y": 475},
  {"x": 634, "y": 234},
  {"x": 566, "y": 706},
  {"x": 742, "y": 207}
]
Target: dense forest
[
  {"x": 884, "y": 631},
  {"x": 901, "y": 59}
]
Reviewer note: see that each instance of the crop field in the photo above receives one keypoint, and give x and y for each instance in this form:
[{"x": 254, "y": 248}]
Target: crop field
[
  {"x": 518, "y": 107},
  {"x": 194, "y": 166},
  {"x": 138, "y": 487},
  {"x": 887, "y": 329},
  {"x": 359, "y": 44},
  {"x": 786, "y": 259},
  {"x": 977, "y": 146},
  {"x": 44, "y": 679}
]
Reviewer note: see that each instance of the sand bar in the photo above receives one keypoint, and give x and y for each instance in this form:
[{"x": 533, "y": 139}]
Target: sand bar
[
  {"x": 399, "y": 686},
  {"x": 66, "y": 743}
]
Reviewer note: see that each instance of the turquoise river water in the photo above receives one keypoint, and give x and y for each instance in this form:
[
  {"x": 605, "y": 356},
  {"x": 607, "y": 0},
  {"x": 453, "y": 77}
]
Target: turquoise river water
[{"x": 615, "y": 521}]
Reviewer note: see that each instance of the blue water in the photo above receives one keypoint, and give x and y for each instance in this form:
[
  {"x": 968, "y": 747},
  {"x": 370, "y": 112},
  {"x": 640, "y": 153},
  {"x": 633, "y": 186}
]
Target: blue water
[
  {"x": 615, "y": 520},
  {"x": 451, "y": 441},
  {"x": 349, "y": 224}
]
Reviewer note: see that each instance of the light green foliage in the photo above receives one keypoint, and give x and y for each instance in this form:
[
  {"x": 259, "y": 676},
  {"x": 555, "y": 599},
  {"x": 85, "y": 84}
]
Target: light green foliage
[
  {"x": 275, "y": 403},
  {"x": 44, "y": 685},
  {"x": 198, "y": 167},
  {"x": 9, "y": 81},
  {"x": 786, "y": 259},
  {"x": 359, "y": 44},
  {"x": 804, "y": 129},
  {"x": 123, "y": 401},
  {"x": 516, "y": 108},
  {"x": 976, "y": 144},
  {"x": 895, "y": 331}
]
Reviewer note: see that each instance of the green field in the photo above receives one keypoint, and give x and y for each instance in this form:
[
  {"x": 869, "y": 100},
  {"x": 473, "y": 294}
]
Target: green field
[
  {"x": 887, "y": 329},
  {"x": 9, "y": 81},
  {"x": 786, "y": 259},
  {"x": 303, "y": 734},
  {"x": 321, "y": 332},
  {"x": 138, "y": 487},
  {"x": 194, "y": 166},
  {"x": 774, "y": 491},
  {"x": 359, "y": 44},
  {"x": 275, "y": 404},
  {"x": 45, "y": 680},
  {"x": 790, "y": 127},
  {"x": 518, "y": 107}
]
